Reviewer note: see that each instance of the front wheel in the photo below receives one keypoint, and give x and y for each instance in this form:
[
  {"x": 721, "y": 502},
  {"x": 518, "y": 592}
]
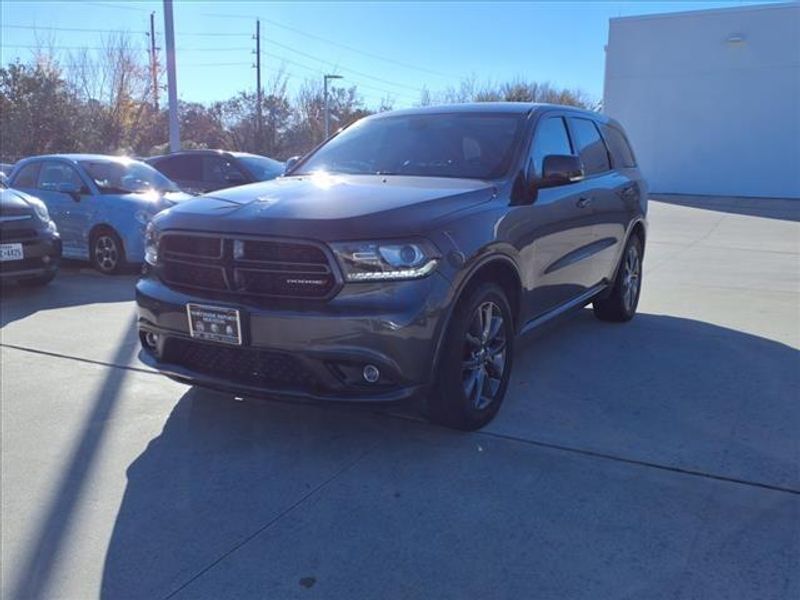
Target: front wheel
[
  {"x": 620, "y": 305},
  {"x": 107, "y": 254},
  {"x": 476, "y": 361}
]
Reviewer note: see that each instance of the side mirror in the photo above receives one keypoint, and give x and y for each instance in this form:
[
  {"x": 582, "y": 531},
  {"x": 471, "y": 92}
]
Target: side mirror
[
  {"x": 560, "y": 169},
  {"x": 291, "y": 163},
  {"x": 70, "y": 188}
]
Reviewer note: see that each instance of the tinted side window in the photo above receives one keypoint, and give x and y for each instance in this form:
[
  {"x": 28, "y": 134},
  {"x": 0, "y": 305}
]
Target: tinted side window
[
  {"x": 218, "y": 169},
  {"x": 181, "y": 167},
  {"x": 621, "y": 152},
  {"x": 54, "y": 173},
  {"x": 590, "y": 145},
  {"x": 550, "y": 138},
  {"x": 27, "y": 176}
]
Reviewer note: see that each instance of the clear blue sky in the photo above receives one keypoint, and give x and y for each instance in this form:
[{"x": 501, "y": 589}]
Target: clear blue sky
[{"x": 432, "y": 45}]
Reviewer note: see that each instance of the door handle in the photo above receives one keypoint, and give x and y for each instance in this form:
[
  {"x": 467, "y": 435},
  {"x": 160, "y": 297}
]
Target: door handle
[{"x": 583, "y": 202}]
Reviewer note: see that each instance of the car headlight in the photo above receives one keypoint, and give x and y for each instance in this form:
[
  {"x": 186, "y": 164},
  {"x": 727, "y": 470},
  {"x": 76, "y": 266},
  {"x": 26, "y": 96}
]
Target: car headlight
[
  {"x": 151, "y": 238},
  {"x": 381, "y": 261},
  {"x": 143, "y": 217},
  {"x": 40, "y": 208}
]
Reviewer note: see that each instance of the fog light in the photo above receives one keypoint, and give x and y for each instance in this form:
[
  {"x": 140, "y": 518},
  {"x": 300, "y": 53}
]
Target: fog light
[
  {"x": 371, "y": 373},
  {"x": 151, "y": 340}
]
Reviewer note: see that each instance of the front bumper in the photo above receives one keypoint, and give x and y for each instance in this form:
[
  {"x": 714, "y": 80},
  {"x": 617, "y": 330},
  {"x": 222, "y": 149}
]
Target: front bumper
[
  {"x": 41, "y": 255},
  {"x": 312, "y": 351}
]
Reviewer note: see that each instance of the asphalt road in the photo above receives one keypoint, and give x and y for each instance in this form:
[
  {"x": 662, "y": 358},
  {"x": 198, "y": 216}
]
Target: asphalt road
[{"x": 657, "y": 459}]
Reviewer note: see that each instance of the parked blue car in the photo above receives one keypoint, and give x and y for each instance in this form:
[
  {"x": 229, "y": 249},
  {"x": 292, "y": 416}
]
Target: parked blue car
[{"x": 100, "y": 204}]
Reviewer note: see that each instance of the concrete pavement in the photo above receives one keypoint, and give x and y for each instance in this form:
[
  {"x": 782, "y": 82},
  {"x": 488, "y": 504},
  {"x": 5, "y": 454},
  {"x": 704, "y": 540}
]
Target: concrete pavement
[{"x": 658, "y": 459}]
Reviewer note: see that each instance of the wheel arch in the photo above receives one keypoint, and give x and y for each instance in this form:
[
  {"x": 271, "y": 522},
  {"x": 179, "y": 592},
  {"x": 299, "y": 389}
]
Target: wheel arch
[{"x": 497, "y": 268}]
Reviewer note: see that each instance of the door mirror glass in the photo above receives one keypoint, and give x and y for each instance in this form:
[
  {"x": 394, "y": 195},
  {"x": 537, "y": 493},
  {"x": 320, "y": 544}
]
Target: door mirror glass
[
  {"x": 291, "y": 163},
  {"x": 560, "y": 169}
]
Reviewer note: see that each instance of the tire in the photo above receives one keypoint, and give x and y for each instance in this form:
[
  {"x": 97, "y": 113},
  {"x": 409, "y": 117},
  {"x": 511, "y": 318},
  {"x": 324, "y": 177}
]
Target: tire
[
  {"x": 476, "y": 362},
  {"x": 38, "y": 281},
  {"x": 106, "y": 252},
  {"x": 620, "y": 305}
]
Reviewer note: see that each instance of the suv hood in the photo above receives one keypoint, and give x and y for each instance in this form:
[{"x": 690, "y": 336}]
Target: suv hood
[{"x": 329, "y": 206}]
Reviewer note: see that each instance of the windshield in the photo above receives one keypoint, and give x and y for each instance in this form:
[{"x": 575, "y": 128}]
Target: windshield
[
  {"x": 469, "y": 145},
  {"x": 126, "y": 177},
  {"x": 261, "y": 167}
]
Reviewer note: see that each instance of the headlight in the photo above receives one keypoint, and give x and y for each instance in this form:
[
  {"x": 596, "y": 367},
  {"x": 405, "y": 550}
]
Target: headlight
[
  {"x": 380, "y": 261},
  {"x": 143, "y": 216},
  {"x": 40, "y": 208},
  {"x": 151, "y": 236}
]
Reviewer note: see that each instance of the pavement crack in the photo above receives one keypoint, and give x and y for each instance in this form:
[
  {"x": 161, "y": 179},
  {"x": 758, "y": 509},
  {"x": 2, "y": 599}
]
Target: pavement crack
[{"x": 305, "y": 497}]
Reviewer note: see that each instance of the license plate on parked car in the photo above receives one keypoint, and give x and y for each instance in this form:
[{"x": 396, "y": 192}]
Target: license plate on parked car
[
  {"x": 10, "y": 252},
  {"x": 214, "y": 323}
]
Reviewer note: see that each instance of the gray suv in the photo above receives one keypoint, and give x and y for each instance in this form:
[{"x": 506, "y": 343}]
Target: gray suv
[{"x": 399, "y": 259}]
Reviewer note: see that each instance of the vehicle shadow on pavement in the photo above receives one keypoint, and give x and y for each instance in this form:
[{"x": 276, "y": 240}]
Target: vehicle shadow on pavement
[
  {"x": 663, "y": 389},
  {"x": 785, "y": 209},
  {"x": 74, "y": 285}
]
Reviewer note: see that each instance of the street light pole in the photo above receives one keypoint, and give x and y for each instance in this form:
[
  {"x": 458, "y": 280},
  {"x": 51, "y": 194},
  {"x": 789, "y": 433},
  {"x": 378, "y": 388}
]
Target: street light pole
[
  {"x": 325, "y": 79},
  {"x": 172, "y": 84}
]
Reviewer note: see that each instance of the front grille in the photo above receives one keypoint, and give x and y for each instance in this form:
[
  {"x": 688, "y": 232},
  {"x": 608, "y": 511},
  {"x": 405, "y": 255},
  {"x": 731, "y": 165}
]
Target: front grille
[
  {"x": 13, "y": 234},
  {"x": 274, "y": 268},
  {"x": 248, "y": 366},
  {"x": 192, "y": 245}
]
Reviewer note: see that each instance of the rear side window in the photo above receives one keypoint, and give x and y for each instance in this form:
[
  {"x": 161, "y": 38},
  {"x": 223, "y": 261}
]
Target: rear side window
[
  {"x": 187, "y": 168},
  {"x": 621, "y": 152},
  {"x": 590, "y": 146},
  {"x": 550, "y": 138},
  {"x": 27, "y": 176}
]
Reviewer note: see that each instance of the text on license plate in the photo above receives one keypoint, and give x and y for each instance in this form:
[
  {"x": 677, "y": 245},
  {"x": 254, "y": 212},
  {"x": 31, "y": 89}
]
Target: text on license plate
[
  {"x": 10, "y": 252},
  {"x": 214, "y": 323}
]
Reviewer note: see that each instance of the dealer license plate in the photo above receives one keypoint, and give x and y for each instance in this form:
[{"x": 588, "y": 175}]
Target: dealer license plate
[{"x": 215, "y": 323}]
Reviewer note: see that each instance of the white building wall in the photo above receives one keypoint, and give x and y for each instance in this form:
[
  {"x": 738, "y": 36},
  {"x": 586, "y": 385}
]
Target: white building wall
[{"x": 710, "y": 99}]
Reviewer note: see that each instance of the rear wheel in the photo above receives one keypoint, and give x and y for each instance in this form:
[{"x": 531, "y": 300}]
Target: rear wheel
[
  {"x": 107, "y": 253},
  {"x": 476, "y": 362},
  {"x": 620, "y": 305}
]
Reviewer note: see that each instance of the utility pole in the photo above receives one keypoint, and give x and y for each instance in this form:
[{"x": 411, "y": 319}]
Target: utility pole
[
  {"x": 172, "y": 83},
  {"x": 154, "y": 58},
  {"x": 325, "y": 79},
  {"x": 259, "y": 93}
]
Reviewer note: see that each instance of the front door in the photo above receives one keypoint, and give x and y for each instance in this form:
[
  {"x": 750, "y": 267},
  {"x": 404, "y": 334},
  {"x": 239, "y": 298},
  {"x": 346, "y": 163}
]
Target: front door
[
  {"x": 554, "y": 234},
  {"x": 70, "y": 212}
]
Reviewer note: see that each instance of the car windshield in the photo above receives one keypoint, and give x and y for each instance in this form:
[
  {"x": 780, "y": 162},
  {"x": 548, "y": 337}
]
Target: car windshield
[
  {"x": 126, "y": 177},
  {"x": 261, "y": 167},
  {"x": 468, "y": 145}
]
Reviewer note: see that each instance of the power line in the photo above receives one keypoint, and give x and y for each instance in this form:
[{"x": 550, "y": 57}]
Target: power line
[
  {"x": 120, "y": 6},
  {"x": 80, "y": 29},
  {"x": 88, "y": 30},
  {"x": 335, "y": 65},
  {"x": 357, "y": 51}
]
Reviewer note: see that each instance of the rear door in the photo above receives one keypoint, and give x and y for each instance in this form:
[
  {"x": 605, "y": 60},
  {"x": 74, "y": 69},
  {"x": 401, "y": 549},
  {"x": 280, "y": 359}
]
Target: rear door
[
  {"x": 557, "y": 228},
  {"x": 599, "y": 188}
]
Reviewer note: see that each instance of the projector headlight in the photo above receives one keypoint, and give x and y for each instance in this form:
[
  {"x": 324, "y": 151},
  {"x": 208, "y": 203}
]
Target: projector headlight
[
  {"x": 389, "y": 260},
  {"x": 151, "y": 238}
]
